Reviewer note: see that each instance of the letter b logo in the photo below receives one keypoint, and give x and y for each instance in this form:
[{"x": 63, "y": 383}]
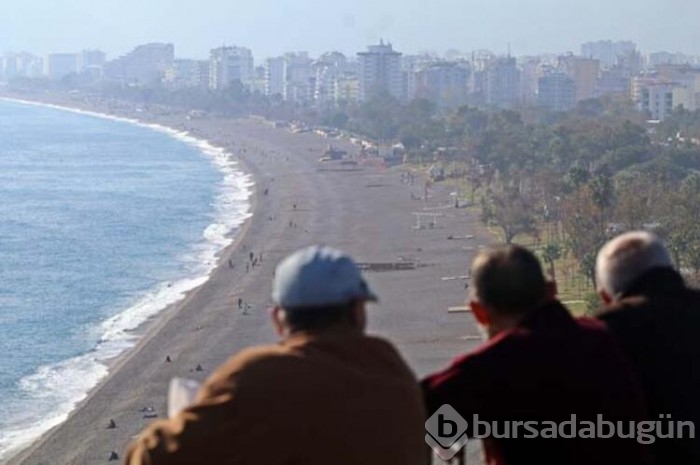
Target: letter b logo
[
  {"x": 446, "y": 432},
  {"x": 446, "y": 428}
]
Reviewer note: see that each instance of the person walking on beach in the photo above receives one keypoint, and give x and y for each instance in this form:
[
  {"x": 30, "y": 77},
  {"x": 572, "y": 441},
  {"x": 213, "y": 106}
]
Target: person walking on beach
[
  {"x": 326, "y": 393},
  {"x": 657, "y": 319},
  {"x": 540, "y": 366}
]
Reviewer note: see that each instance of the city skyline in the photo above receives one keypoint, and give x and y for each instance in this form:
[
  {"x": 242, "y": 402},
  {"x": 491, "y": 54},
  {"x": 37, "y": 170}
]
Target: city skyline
[{"x": 272, "y": 27}]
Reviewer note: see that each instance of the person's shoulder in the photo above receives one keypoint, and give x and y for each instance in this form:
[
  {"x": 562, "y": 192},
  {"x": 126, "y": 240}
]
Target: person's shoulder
[
  {"x": 245, "y": 364},
  {"x": 622, "y": 309}
]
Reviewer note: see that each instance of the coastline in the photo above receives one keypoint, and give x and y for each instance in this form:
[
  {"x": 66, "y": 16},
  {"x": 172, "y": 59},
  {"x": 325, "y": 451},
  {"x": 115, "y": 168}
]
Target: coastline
[
  {"x": 123, "y": 331},
  {"x": 366, "y": 211}
]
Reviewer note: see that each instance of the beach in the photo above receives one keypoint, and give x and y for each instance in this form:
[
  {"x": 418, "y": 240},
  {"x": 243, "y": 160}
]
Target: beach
[{"x": 367, "y": 211}]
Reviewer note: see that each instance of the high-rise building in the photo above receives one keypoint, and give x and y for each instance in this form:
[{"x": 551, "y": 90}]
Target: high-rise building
[
  {"x": 607, "y": 51},
  {"x": 60, "y": 65},
  {"x": 502, "y": 82},
  {"x": 91, "y": 59},
  {"x": 613, "y": 81},
  {"x": 530, "y": 73},
  {"x": 556, "y": 91},
  {"x": 347, "y": 89},
  {"x": 657, "y": 99},
  {"x": 327, "y": 69},
  {"x": 187, "y": 74},
  {"x": 444, "y": 83},
  {"x": 229, "y": 65},
  {"x": 21, "y": 64},
  {"x": 298, "y": 85},
  {"x": 274, "y": 76},
  {"x": 380, "y": 70},
  {"x": 143, "y": 66},
  {"x": 584, "y": 71},
  {"x": 659, "y": 94}
]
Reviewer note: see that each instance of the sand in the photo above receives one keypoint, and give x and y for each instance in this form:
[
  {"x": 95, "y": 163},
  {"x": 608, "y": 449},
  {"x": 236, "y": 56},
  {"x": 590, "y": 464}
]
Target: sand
[{"x": 365, "y": 211}]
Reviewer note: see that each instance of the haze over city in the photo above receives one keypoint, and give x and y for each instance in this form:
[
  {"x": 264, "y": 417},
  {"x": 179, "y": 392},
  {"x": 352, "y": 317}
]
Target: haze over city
[{"x": 271, "y": 27}]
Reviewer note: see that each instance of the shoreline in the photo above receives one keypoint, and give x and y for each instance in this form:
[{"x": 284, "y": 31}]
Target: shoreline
[
  {"x": 366, "y": 211},
  {"x": 225, "y": 163}
]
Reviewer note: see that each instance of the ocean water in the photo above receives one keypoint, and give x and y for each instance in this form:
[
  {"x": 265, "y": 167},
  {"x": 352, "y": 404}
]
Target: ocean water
[{"x": 103, "y": 222}]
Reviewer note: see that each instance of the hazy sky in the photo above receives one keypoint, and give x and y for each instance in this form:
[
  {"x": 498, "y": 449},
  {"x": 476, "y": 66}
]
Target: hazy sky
[{"x": 271, "y": 27}]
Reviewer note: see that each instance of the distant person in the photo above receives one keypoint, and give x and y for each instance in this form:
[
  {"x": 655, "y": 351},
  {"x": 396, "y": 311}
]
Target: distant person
[
  {"x": 325, "y": 394},
  {"x": 657, "y": 319},
  {"x": 539, "y": 365}
]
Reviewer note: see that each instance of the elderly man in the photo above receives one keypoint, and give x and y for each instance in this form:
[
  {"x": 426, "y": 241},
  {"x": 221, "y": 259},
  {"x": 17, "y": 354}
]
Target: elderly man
[
  {"x": 327, "y": 393},
  {"x": 540, "y": 367},
  {"x": 657, "y": 320}
]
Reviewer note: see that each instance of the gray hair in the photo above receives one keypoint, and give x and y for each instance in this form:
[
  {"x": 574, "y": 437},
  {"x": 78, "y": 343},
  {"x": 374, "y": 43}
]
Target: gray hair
[{"x": 626, "y": 258}]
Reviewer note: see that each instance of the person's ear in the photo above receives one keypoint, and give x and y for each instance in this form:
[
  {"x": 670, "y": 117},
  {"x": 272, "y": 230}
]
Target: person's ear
[
  {"x": 359, "y": 314},
  {"x": 605, "y": 297},
  {"x": 279, "y": 321},
  {"x": 551, "y": 291},
  {"x": 480, "y": 313}
]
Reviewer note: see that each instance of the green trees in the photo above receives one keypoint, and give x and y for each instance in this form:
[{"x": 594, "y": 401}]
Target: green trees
[{"x": 550, "y": 254}]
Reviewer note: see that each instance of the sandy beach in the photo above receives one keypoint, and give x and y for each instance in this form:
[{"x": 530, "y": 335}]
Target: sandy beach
[{"x": 297, "y": 201}]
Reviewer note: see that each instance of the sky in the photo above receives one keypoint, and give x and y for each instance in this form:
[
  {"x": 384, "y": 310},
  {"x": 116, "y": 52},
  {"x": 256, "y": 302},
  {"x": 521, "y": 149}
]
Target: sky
[{"x": 271, "y": 27}]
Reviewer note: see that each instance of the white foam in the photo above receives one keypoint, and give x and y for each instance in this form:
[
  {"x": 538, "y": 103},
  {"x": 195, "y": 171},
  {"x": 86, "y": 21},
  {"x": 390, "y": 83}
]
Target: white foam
[{"x": 53, "y": 391}]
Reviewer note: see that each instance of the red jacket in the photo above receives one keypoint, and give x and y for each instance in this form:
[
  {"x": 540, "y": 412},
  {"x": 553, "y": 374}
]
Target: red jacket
[{"x": 548, "y": 368}]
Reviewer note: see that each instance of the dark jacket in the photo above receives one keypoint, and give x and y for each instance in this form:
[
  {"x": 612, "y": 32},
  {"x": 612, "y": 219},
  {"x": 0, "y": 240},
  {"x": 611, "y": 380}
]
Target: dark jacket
[
  {"x": 342, "y": 399},
  {"x": 547, "y": 369},
  {"x": 658, "y": 324}
]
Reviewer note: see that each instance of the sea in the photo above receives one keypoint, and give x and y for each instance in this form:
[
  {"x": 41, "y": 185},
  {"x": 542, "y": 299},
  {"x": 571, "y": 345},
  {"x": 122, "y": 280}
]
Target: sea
[{"x": 103, "y": 223}]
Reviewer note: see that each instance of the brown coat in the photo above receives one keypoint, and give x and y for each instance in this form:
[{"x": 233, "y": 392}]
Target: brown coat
[{"x": 337, "y": 398}]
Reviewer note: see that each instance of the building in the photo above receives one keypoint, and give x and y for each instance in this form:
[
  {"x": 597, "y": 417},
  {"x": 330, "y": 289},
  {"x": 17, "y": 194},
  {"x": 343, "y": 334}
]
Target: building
[
  {"x": 327, "y": 69},
  {"x": 584, "y": 71},
  {"x": 585, "y": 74},
  {"x": 187, "y": 74},
  {"x": 656, "y": 99},
  {"x": 60, "y": 65},
  {"x": 607, "y": 51},
  {"x": 380, "y": 70},
  {"x": 259, "y": 80},
  {"x": 556, "y": 91},
  {"x": 91, "y": 59},
  {"x": 230, "y": 64},
  {"x": 687, "y": 96},
  {"x": 411, "y": 65},
  {"x": 501, "y": 83},
  {"x": 530, "y": 73},
  {"x": 659, "y": 95},
  {"x": 22, "y": 64},
  {"x": 143, "y": 66},
  {"x": 274, "y": 76},
  {"x": 444, "y": 83},
  {"x": 298, "y": 82},
  {"x": 664, "y": 58},
  {"x": 613, "y": 81},
  {"x": 347, "y": 89}
]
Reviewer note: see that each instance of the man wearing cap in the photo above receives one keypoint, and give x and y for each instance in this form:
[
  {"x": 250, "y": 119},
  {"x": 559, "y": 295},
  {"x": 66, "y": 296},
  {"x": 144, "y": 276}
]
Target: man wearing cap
[{"x": 326, "y": 393}]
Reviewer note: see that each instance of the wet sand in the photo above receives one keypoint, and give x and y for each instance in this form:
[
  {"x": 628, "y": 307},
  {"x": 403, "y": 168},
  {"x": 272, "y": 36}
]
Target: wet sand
[{"x": 366, "y": 211}]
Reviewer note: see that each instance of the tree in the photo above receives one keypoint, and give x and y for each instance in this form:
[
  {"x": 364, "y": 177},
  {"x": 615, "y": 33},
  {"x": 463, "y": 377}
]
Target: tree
[
  {"x": 513, "y": 215},
  {"x": 551, "y": 253}
]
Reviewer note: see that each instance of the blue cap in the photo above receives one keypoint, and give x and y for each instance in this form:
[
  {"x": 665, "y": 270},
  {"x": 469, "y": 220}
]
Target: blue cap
[{"x": 318, "y": 277}]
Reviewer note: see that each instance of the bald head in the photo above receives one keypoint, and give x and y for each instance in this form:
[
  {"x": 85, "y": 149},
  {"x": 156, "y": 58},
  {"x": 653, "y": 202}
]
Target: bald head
[
  {"x": 508, "y": 280},
  {"x": 626, "y": 258}
]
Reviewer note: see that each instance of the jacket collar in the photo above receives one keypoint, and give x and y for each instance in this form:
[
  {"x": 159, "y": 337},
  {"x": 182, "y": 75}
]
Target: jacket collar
[
  {"x": 656, "y": 281},
  {"x": 550, "y": 315}
]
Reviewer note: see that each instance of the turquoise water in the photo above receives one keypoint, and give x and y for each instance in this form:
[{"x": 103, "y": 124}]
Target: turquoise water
[{"x": 102, "y": 224}]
